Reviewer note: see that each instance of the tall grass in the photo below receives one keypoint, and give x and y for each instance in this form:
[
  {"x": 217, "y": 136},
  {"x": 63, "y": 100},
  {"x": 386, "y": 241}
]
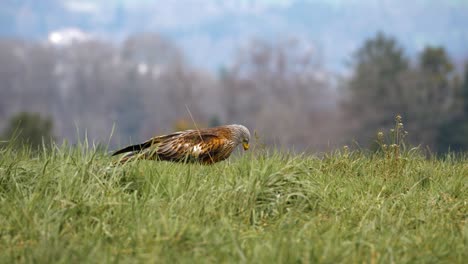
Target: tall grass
[{"x": 68, "y": 205}]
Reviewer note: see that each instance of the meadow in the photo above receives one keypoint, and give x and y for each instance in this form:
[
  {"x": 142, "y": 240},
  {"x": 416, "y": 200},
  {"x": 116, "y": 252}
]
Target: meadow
[{"x": 70, "y": 205}]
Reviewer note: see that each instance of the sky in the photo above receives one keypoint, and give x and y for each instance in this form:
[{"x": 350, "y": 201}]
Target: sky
[{"x": 210, "y": 31}]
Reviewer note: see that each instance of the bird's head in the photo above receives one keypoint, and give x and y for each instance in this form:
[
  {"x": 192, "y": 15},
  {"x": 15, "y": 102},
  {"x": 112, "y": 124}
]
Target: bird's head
[{"x": 242, "y": 135}]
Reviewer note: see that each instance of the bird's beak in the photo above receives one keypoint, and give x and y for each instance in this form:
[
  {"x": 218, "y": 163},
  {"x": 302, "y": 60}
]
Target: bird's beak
[{"x": 245, "y": 145}]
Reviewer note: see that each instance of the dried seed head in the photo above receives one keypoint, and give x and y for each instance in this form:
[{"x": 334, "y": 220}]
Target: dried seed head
[
  {"x": 380, "y": 135},
  {"x": 398, "y": 118}
]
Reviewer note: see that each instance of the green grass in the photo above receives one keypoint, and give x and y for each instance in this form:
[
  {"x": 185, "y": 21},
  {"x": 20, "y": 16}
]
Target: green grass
[{"x": 66, "y": 205}]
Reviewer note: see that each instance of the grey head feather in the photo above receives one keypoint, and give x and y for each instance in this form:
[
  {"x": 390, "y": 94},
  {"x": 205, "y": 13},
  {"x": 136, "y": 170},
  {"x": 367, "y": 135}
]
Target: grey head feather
[{"x": 241, "y": 133}]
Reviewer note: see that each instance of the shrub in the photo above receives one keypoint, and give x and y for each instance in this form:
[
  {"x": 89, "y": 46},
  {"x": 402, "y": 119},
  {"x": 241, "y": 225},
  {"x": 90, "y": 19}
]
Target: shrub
[{"x": 29, "y": 129}]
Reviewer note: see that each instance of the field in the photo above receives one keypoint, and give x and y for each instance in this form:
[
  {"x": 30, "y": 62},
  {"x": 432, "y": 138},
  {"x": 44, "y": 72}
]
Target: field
[{"x": 68, "y": 205}]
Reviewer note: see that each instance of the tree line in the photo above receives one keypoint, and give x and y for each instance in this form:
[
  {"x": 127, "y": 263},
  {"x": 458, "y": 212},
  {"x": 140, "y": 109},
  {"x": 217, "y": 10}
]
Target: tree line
[
  {"x": 117, "y": 94},
  {"x": 427, "y": 92}
]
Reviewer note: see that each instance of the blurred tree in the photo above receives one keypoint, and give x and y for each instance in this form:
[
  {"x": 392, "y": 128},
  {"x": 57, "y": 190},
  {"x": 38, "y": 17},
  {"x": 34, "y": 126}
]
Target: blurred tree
[
  {"x": 89, "y": 78},
  {"x": 141, "y": 86},
  {"x": 151, "y": 48},
  {"x": 435, "y": 61},
  {"x": 184, "y": 124},
  {"x": 429, "y": 95},
  {"x": 375, "y": 89},
  {"x": 129, "y": 109},
  {"x": 280, "y": 89},
  {"x": 436, "y": 67},
  {"x": 453, "y": 134},
  {"x": 167, "y": 85},
  {"x": 464, "y": 92},
  {"x": 12, "y": 68},
  {"x": 214, "y": 121},
  {"x": 29, "y": 129}
]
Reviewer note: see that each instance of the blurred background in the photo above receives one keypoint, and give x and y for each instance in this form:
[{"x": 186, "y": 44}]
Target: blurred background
[{"x": 308, "y": 75}]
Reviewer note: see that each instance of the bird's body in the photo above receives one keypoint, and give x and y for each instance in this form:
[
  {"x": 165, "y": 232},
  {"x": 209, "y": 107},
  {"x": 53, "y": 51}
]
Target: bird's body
[{"x": 205, "y": 146}]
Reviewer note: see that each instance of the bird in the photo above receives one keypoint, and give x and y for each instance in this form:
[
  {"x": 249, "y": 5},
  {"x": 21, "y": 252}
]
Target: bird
[{"x": 205, "y": 146}]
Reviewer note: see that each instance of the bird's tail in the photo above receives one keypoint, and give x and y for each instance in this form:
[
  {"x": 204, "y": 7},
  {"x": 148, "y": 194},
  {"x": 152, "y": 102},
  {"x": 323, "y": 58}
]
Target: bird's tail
[
  {"x": 133, "y": 148},
  {"x": 134, "y": 151},
  {"x": 131, "y": 156}
]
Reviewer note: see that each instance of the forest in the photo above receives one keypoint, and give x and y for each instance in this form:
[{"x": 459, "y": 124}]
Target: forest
[{"x": 116, "y": 93}]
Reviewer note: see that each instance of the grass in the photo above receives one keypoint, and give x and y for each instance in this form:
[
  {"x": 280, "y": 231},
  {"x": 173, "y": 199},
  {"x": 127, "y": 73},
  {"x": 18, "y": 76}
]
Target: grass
[{"x": 66, "y": 205}]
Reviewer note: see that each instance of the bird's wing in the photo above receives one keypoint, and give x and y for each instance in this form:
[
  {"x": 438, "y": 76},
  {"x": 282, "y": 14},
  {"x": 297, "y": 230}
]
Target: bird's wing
[
  {"x": 197, "y": 145},
  {"x": 147, "y": 144}
]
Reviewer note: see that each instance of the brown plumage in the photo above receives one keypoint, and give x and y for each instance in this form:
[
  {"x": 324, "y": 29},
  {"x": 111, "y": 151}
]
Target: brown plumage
[{"x": 206, "y": 146}]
